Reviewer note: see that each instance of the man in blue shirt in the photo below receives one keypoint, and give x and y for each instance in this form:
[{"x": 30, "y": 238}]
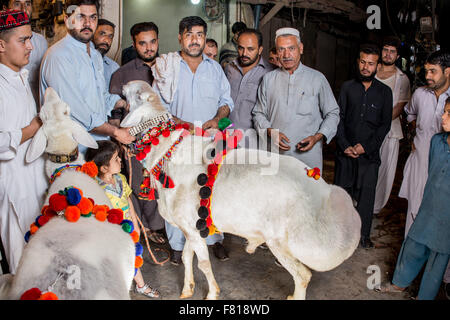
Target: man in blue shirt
[
  {"x": 202, "y": 95},
  {"x": 103, "y": 38},
  {"x": 428, "y": 240},
  {"x": 74, "y": 69}
]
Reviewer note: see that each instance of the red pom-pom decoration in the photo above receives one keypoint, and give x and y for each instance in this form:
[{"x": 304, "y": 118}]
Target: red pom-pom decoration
[
  {"x": 92, "y": 200},
  {"x": 57, "y": 202},
  {"x": 43, "y": 220},
  {"x": 48, "y": 296},
  {"x": 140, "y": 156},
  {"x": 166, "y": 133},
  {"x": 155, "y": 141},
  {"x": 147, "y": 149},
  {"x": 185, "y": 126},
  {"x": 212, "y": 169},
  {"x": 32, "y": 294},
  {"x": 72, "y": 214},
  {"x": 85, "y": 206},
  {"x": 115, "y": 216},
  {"x": 204, "y": 202}
]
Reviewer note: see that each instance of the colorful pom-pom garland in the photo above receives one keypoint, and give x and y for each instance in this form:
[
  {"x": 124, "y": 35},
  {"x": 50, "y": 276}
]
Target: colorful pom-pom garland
[
  {"x": 89, "y": 168},
  {"x": 206, "y": 180},
  {"x": 71, "y": 204},
  {"x": 313, "y": 173}
]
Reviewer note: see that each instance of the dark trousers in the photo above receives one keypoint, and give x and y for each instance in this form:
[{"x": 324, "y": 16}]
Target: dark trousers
[
  {"x": 359, "y": 178},
  {"x": 146, "y": 210}
]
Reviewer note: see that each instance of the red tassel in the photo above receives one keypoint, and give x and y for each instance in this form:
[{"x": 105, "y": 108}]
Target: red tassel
[{"x": 151, "y": 194}]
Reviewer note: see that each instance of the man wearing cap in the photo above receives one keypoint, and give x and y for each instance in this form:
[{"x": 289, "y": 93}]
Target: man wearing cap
[
  {"x": 74, "y": 69},
  {"x": 38, "y": 41},
  {"x": 295, "y": 105},
  {"x": 22, "y": 185}
]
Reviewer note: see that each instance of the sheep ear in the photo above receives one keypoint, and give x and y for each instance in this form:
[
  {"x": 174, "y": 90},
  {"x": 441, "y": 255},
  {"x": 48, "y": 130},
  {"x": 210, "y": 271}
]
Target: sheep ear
[
  {"x": 37, "y": 146},
  {"x": 83, "y": 137},
  {"x": 132, "y": 119}
]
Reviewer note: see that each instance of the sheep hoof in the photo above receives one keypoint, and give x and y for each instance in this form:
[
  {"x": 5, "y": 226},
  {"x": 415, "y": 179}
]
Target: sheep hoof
[
  {"x": 185, "y": 295},
  {"x": 213, "y": 296},
  {"x": 290, "y": 297}
]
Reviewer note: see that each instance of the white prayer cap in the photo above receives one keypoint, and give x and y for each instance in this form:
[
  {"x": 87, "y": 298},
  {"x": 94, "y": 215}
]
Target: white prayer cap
[{"x": 287, "y": 31}]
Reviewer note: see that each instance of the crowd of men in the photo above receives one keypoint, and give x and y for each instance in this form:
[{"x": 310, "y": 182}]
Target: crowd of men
[{"x": 280, "y": 100}]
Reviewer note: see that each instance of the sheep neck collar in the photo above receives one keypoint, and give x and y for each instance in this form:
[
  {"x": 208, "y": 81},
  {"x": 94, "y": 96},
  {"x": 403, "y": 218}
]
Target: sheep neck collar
[
  {"x": 149, "y": 124},
  {"x": 64, "y": 158}
]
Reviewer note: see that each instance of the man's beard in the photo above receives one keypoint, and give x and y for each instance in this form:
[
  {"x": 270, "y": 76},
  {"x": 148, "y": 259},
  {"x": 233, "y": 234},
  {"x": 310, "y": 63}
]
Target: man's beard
[
  {"x": 436, "y": 85},
  {"x": 364, "y": 78},
  {"x": 102, "y": 50},
  {"x": 147, "y": 59},
  {"x": 191, "y": 54},
  {"x": 249, "y": 62},
  {"x": 78, "y": 35},
  {"x": 387, "y": 63}
]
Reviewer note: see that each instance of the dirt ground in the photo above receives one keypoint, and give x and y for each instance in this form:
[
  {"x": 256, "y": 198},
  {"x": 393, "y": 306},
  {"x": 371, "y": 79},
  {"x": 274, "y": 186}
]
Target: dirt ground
[{"x": 250, "y": 277}]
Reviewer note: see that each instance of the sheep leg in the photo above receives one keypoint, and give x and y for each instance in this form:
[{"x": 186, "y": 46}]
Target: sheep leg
[
  {"x": 189, "y": 284},
  {"x": 204, "y": 264},
  {"x": 299, "y": 271}
]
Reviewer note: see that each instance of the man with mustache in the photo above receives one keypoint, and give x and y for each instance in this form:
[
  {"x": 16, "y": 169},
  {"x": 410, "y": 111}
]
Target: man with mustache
[
  {"x": 425, "y": 109},
  {"x": 38, "y": 41},
  {"x": 201, "y": 95},
  {"x": 146, "y": 42},
  {"x": 365, "y": 119},
  {"x": 22, "y": 185},
  {"x": 74, "y": 69},
  {"x": 103, "y": 38},
  {"x": 296, "y": 106},
  {"x": 393, "y": 77},
  {"x": 245, "y": 74}
]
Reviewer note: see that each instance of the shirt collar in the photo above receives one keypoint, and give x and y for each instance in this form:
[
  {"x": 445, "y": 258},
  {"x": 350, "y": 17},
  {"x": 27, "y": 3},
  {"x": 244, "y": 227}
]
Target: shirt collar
[
  {"x": 74, "y": 42},
  {"x": 261, "y": 63},
  {"x": 8, "y": 73},
  {"x": 139, "y": 63}
]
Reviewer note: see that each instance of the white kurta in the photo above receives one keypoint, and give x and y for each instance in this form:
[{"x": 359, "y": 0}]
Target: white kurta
[
  {"x": 22, "y": 185},
  {"x": 399, "y": 84},
  {"x": 427, "y": 111},
  {"x": 40, "y": 46}
]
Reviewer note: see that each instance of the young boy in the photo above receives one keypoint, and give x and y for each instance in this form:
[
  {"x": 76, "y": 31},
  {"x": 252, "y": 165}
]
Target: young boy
[{"x": 428, "y": 240}]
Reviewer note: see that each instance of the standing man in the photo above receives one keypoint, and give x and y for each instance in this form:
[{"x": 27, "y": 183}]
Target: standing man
[
  {"x": 103, "y": 38},
  {"x": 39, "y": 46},
  {"x": 245, "y": 74},
  {"x": 22, "y": 185},
  {"x": 391, "y": 76},
  {"x": 425, "y": 109},
  {"x": 74, "y": 69},
  {"x": 297, "y": 101},
  {"x": 145, "y": 41},
  {"x": 202, "y": 94},
  {"x": 228, "y": 52},
  {"x": 366, "y": 115},
  {"x": 211, "y": 48}
]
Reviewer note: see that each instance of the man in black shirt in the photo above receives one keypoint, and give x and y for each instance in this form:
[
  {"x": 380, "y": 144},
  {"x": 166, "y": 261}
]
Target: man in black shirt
[{"x": 366, "y": 113}]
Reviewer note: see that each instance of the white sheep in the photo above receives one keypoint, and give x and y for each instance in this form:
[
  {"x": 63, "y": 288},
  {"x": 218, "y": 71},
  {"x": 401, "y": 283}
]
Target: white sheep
[
  {"x": 87, "y": 259},
  {"x": 306, "y": 223}
]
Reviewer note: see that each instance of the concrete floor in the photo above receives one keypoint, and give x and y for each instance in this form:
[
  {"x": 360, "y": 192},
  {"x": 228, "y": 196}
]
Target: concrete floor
[{"x": 249, "y": 277}]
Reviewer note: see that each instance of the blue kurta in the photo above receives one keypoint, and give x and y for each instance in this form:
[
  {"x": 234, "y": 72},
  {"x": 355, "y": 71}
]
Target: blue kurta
[
  {"x": 432, "y": 224},
  {"x": 79, "y": 81}
]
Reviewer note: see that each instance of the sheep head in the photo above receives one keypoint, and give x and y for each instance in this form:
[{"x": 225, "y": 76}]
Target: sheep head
[
  {"x": 59, "y": 134},
  {"x": 144, "y": 103}
]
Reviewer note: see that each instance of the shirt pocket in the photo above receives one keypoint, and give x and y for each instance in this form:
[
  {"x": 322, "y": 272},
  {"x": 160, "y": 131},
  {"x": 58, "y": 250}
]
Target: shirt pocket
[
  {"x": 372, "y": 114},
  {"x": 250, "y": 92},
  {"x": 307, "y": 105}
]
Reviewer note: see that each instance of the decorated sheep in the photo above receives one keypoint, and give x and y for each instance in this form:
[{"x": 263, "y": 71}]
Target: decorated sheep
[
  {"x": 204, "y": 188},
  {"x": 78, "y": 248}
]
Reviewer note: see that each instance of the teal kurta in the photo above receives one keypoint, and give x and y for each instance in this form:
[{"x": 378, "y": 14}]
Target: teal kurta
[{"x": 432, "y": 224}]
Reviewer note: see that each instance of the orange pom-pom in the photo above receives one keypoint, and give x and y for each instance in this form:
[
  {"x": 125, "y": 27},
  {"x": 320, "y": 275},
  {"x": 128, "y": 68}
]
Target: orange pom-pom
[
  {"x": 85, "y": 205},
  {"x": 100, "y": 212},
  {"x": 48, "y": 296},
  {"x": 135, "y": 236},
  {"x": 33, "y": 228},
  {"x": 90, "y": 168},
  {"x": 138, "y": 262},
  {"x": 72, "y": 214}
]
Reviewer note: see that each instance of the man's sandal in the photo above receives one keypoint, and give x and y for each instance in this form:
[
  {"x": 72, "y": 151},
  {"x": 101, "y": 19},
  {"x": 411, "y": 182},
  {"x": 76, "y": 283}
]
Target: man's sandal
[
  {"x": 152, "y": 293},
  {"x": 388, "y": 287},
  {"x": 156, "y": 237}
]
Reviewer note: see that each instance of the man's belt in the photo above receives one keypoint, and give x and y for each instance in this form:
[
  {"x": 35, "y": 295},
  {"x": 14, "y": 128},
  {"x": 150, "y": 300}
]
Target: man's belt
[{"x": 64, "y": 158}]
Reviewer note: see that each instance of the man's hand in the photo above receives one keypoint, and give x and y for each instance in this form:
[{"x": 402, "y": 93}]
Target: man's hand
[
  {"x": 351, "y": 152},
  {"x": 311, "y": 141},
  {"x": 123, "y": 135},
  {"x": 30, "y": 130},
  {"x": 359, "y": 149},
  {"x": 279, "y": 139},
  {"x": 122, "y": 104},
  {"x": 211, "y": 124}
]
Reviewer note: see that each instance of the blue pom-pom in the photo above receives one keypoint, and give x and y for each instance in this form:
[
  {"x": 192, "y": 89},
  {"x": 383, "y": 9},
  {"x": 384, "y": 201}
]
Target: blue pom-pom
[
  {"x": 129, "y": 228},
  {"x": 73, "y": 196},
  {"x": 27, "y": 236},
  {"x": 139, "y": 249},
  {"x": 135, "y": 271}
]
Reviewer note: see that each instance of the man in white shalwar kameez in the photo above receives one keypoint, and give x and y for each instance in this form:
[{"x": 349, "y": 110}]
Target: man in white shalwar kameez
[
  {"x": 395, "y": 79},
  {"x": 22, "y": 185},
  {"x": 426, "y": 108}
]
